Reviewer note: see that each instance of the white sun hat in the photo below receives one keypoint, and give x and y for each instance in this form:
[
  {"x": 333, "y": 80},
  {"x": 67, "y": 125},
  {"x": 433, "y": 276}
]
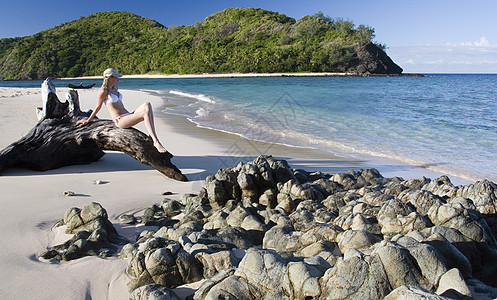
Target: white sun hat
[{"x": 111, "y": 72}]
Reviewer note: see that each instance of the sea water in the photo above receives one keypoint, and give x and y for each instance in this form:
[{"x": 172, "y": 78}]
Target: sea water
[{"x": 444, "y": 122}]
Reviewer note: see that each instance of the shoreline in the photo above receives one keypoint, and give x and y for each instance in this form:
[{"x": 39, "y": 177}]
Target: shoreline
[
  {"x": 242, "y": 75},
  {"x": 309, "y": 159},
  {"x": 245, "y": 75}
]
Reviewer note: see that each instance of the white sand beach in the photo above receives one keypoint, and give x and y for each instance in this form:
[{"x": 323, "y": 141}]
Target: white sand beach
[
  {"x": 220, "y": 75},
  {"x": 33, "y": 202}
]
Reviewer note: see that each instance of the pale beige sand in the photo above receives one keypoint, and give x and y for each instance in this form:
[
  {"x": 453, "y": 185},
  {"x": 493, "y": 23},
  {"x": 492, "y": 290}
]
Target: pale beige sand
[
  {"x": 208, "y": 75},
  {"x": 32, "y": 202}
]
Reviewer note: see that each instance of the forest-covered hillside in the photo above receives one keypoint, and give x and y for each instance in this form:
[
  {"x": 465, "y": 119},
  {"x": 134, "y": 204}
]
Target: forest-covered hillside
[{"x": 243, "y": 40}]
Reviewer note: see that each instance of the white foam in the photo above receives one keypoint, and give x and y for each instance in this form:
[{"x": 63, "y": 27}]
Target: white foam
[
  {"x": 202, "y": 112},
  {"x": 200, "y": 97}
]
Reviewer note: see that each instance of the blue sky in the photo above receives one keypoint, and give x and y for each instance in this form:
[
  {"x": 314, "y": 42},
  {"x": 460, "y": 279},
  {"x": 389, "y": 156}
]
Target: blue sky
[{"x": 422, "y": 36}]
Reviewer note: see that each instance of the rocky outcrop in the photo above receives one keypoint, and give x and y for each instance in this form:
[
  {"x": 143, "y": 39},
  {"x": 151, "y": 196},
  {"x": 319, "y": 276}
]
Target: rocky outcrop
[
  {"x": 93, "y": 235},
  {"x": 262, "y": 230},
  {"x": 160, "y": 261},
  {"x": 371, "y": 59}
]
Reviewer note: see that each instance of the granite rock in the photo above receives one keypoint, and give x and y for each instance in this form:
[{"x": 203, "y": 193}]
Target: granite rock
[
  {"x": 262, "y": 230},
  {"x": 93, "y": 235}
]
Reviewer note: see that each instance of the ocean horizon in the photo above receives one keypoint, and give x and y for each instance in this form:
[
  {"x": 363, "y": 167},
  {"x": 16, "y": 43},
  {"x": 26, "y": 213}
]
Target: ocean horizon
[{"x": 442, "y": 122}]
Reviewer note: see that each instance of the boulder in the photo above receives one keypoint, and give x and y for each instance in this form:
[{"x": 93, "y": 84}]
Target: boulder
[
  {"x": 400, "y": 266},
  {"x": 453, "y": 258},
  {"x": 274, "y": 236},
  {"x": 164, "y": 262},
  {"x": 421, "y": 199},
  {"x": 453, "y": 281},
  {"x": 392, "y": 209},
  {"x": 483, "y": 194},
  {"x": 404, "y": 224},
  {"x": 281, "y": 171},
  {"x": 217, "y": 261},
  {"x": 442, "y": 187},
  {"x": 230, "y": 287},
  {"x": 356, "y": 239},
  {"x": 412, "y": 293},
  {"x": 94, "y": 235},
  {"x": 153, "y": 292},
  {"x": 356, "y": 278},
  {"x": 266, "y": 275}
]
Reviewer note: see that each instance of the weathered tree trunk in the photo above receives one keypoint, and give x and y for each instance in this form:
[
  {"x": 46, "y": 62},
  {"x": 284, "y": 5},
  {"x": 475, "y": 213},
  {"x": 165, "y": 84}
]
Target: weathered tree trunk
[{"x": 57, "y": 141}]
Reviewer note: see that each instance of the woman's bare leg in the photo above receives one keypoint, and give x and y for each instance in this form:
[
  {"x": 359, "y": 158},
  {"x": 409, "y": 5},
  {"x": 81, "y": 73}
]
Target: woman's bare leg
[{"x": 142, "y": 113}]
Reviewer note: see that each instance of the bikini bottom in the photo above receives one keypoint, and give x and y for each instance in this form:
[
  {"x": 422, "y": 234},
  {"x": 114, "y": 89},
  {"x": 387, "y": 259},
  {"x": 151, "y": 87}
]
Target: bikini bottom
[{"x": 120, "y": 116}]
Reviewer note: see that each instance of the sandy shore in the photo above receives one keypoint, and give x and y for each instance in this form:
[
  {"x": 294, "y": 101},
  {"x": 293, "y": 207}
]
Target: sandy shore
[
  {"x": 33, "y": 202},
  {"x": 207, "y": 75}
]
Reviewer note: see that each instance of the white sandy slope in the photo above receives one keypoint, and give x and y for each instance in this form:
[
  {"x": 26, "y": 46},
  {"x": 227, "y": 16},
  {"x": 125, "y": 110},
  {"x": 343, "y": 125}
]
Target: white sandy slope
[{"x": 33, "y": 202}]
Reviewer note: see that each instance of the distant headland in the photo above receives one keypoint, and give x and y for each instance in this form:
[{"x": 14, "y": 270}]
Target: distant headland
[{"x": 235, "y": 40}]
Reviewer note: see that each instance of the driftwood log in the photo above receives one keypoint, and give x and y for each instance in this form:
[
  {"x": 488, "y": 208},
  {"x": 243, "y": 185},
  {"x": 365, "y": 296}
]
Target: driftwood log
[{"x": 57, "y": 140}]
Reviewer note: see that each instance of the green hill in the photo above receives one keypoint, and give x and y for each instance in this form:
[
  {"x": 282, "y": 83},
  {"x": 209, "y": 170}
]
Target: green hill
[{"x": 233, "y": 40}]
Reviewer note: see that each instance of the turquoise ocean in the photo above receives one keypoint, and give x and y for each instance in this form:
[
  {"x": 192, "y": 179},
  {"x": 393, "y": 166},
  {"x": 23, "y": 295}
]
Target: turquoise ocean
[{"x": 444, "y": 122}]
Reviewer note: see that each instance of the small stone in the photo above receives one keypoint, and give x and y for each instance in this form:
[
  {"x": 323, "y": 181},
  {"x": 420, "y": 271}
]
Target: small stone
[
  {"x": 68, "y": 194},
  {"x": 99, "y": 182},
  {"x": 127, "y": 219},
  {"x": 105, "y": 253}
]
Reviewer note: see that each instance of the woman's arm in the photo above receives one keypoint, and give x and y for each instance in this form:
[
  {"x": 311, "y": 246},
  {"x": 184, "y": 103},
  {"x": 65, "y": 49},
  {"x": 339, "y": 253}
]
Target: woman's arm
[{"x": 102, "y": 95}]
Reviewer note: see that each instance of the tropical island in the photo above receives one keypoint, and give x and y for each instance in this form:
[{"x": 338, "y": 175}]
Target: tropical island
[{"x": 235, "y": 40}]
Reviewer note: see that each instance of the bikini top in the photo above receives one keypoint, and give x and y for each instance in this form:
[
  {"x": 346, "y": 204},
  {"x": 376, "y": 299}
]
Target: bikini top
[{"x": 113, "y": 98}]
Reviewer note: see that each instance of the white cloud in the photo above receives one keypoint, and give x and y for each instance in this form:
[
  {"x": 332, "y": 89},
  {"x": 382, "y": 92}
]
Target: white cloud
[
  {"x": 434, "y": 62},
  {"x": 475, "y": 57},
  {"x": 482, "y": 42},
  {"x": 462, "y": 62}
]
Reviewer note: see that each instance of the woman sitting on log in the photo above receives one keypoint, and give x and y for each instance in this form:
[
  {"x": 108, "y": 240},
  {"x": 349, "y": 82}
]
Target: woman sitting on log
[{"x": 112, "y": 98}]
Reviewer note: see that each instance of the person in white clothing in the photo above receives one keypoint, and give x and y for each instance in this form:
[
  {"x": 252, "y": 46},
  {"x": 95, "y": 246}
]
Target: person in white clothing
[{"x": 112, "y": 98}]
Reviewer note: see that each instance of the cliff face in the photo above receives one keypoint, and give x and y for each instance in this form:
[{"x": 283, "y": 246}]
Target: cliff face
[
  {"x": 373, "y": 60},
  {"x": 240, "y": 40}
]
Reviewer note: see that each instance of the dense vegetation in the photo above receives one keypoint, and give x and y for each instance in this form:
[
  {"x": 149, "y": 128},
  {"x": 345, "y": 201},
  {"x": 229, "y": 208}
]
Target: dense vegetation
[{"x": 233, "y": 40}]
